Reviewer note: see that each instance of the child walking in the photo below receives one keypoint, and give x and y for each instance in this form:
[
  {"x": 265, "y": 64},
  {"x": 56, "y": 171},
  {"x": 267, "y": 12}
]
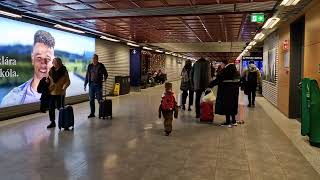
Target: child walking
[{"x": 168, "y": 108}]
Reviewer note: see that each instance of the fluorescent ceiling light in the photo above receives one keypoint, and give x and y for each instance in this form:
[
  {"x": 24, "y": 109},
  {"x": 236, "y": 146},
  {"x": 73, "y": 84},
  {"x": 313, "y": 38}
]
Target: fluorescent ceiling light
[
  {"x": 289, "y": 2},
  {"x": 159, "y": 51},
  {"x": 174, "y": 54},
  {"x": 109, "y": 39},
  {"x": 131, "y": 44},
  {"x": 271, "y": 22},
  {"x": 68, "y": 29},
  {"x": 252, "y": 43},
  {"x": 259, "y": 36},
  {"x": 168, "y": 52},
  {"x": 10, "y": 14},
  {"x": 146, "y": 48},
  {"x": 248, "y": 47}
]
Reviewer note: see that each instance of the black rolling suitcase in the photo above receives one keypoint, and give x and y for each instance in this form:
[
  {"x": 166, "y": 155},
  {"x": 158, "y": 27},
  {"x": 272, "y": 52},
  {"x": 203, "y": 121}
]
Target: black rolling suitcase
[
  {"x": 105, "y": 108},
  {"x": 66, "y": 118}
]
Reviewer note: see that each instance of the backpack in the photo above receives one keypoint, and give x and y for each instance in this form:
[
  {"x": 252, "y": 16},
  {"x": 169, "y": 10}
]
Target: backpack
[
  {"x": 185, "y": 76},
  {"x": 252, "y": 77},
  {"x": 168, "y": 102}
]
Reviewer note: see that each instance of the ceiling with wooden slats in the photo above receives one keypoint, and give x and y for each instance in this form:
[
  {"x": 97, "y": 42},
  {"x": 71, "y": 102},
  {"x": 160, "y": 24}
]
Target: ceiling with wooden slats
[{"x": 158, "y": 21}]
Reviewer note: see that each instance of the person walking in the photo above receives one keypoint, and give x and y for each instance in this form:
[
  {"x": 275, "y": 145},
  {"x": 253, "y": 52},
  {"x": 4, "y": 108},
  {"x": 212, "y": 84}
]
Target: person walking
[
  {"x": 228, "y": 81},
  {"x": 200, "y": 79},
  {"x": 58, "y": 81},
  {"x": 252, "y": 78},
  {"x": 96, "y": 73},
  {"x": 186, "y": 85}
]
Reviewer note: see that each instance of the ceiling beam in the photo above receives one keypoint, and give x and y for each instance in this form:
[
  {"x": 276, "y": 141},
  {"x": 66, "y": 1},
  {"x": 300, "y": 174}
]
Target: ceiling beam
[{"x": 250, "y": 7}]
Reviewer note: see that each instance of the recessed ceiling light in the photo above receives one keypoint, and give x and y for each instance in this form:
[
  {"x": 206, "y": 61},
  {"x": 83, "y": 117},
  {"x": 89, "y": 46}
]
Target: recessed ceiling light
[
  {"x": 68, "y": 29},
  {"x": 109, "y": 39},
  {"x": 10, "y": 14},
  {"x": 131, "y": 44}
]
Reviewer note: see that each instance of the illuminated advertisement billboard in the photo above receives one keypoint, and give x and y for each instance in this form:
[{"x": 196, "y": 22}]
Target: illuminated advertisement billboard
[{"x": 26, "y": 54}]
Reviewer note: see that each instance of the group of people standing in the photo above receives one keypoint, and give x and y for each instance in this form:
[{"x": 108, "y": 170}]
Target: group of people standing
[
  {"x": 53, "y": 87},
  {"x": 197, "y": 78}
]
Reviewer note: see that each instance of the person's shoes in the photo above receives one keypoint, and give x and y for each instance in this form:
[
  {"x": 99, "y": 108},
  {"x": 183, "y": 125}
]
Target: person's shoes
[
  {"x": 249, "y": 105},
  {"x": 197, "y": 116},
  {"x": 91, "y": 116},
  {"x": 183, "y": 107},
  {"x": 235, "y": 124},
  {"x": 51, "y": 125},
  {"x": 229, "y": 126},
  {"x": 253, "y": 105},
  {"x": 189, "y": 109},
  {"x": 167, "y": 133},
  {"x": 224, "y": 124}
]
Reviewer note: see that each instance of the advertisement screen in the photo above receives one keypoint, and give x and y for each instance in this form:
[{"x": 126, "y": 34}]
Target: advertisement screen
[{"x": 26, "y": 54}]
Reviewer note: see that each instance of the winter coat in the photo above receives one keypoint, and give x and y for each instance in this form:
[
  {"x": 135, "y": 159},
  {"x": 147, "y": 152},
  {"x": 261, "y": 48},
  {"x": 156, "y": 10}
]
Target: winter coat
[
  {"x": 58, "y": 86},
  {"x": 228, "y": 82},
  {"x": 186, "y": 80},
  {"x": 252, "y": 69},
  {"x": 201, "y": 74}
]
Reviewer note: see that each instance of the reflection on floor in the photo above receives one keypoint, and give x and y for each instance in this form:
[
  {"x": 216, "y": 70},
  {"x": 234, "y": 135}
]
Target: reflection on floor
[{"x": 132, "y": 146}]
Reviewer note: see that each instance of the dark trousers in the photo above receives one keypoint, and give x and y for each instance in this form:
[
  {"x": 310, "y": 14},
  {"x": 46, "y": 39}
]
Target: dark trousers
[
  {"x": 55, "y": 102},
  {"x": 198, "y": 97},
  {"x": 252, "y": 94},
  {"x": 95, "y": 91},
  {"x": 167, "y": 123},
  {"x": 185, "y": 95},
  {"x": 228, "y": 119}
]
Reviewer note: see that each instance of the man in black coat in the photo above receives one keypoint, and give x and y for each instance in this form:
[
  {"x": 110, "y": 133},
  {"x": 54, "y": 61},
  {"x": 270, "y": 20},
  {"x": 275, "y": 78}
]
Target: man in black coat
[{"x": 228, "y": 81}]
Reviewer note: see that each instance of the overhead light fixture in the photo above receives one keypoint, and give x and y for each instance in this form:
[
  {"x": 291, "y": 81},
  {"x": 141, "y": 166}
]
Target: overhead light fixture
[
  {"x": 259, "y": 36},
  {"x": 289, "y": 2},
  {"x": 248, "y": 47},
  {"x": 168, "y": 52},
  {"x": 179, "y": 56},
  {"x": 271, "y": 22},
  {"x": 131, "y": 44},
  {"x": 252, "y": 43},
  {"x": 68, "y": 29},
  {"x": 174, "y": 54},
  {"x": 10, "y": 14},
  {"x": 159, "y": 51},
  {"x": 109, "y": 39},
  {"x": 146, "y": 48}
]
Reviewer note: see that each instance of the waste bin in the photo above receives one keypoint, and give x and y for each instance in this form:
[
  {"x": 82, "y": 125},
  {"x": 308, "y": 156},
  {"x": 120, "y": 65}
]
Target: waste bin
[
  {"x": 124, "y": 82},
  {"x": 310, "y": 118}
]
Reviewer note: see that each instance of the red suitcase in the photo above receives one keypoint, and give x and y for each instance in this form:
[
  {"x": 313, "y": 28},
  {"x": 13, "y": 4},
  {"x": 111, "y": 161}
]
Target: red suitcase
[{"x": 206, "y": 112}]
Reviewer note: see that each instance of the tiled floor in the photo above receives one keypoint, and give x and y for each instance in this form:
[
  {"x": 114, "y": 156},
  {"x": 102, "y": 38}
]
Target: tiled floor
[{"x": 132, "y": 146}]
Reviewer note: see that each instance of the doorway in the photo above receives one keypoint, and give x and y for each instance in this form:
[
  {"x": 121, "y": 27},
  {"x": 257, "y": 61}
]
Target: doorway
[{"x": 297, "y": 30}]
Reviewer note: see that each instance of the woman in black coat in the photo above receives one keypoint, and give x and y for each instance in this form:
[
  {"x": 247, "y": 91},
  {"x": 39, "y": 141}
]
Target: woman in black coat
[{"x": 228, "y": 81}]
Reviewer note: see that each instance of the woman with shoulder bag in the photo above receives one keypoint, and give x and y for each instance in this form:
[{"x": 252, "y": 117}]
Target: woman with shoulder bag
[
  {"x": 186, "y": 85},
  {"x": 59, "y": 81}
]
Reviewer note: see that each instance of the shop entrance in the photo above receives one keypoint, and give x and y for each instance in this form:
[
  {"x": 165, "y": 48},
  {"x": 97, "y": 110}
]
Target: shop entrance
[{"x": 296, "y": 66}]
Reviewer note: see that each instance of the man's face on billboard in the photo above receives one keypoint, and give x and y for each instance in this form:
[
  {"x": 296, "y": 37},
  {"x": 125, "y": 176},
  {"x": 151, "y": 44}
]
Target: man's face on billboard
[{"x": 42, "y": 57}]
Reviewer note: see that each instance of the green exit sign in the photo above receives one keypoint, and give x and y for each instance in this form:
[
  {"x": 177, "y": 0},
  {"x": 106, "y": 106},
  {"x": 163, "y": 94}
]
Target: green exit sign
[{"x": 257, "y": 17}]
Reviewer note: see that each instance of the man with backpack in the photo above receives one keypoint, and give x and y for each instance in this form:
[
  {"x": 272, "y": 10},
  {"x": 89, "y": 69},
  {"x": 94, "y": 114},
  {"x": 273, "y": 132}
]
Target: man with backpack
[{"x": 252, "y": 79}]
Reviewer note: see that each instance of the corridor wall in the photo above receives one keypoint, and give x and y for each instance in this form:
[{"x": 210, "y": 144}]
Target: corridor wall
[
  {"x": 173, "y": 67},
  {"x": 312, "y": 41},
  {"x": 116, "y": 58},
  {"x": 270, "y": 68}
]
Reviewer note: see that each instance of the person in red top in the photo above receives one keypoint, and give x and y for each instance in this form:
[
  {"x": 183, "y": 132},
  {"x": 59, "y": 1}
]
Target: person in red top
[{"x": 168, "y": 108}]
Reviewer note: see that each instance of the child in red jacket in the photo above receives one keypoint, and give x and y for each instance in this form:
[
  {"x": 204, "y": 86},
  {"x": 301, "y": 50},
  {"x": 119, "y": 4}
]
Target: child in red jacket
[{"x": 168, "y": 108}]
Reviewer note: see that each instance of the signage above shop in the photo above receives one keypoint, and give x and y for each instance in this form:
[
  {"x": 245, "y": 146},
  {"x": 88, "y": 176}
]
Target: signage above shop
[{"x": 257, "y": 17}]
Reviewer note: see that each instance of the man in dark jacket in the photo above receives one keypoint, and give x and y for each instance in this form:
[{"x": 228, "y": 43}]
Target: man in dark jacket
[
  {"x": 252, "y": 79},
  {"x": 96, "y": 73},
  {"x": 228, "y": 81},
  {"x": 200, "y": 78}
]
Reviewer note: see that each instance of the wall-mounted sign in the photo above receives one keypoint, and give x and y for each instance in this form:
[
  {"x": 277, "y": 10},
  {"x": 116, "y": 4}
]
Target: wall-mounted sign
[
  {"x": 285, "y": 46},
  {"x": 257, "y": 17}
]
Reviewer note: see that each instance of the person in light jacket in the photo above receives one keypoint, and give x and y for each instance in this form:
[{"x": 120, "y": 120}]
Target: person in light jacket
[
  {"x": 200, "y": 78},
  {"x": 58, "y": 81}
]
